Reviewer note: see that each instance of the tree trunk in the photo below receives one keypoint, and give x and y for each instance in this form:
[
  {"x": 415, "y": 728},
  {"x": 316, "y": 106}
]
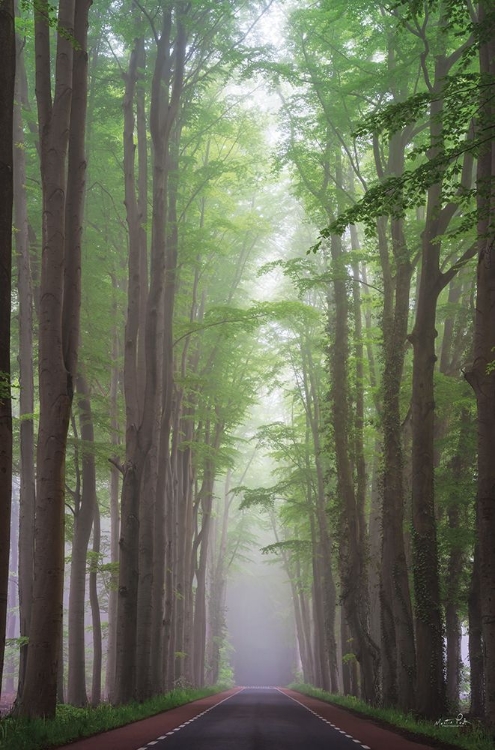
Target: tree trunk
[
  {"x": 352, "y": 552},
  {"x": 7, "y": 78},
  {"x": 55, "y": 380},
  {"x": 202, "y": 542},
  {"x": 319, "y": 646},
  {"x": 11, "y": 628},
  {"x": 217, "y": 590},
  {"x": 95, "y": 611},
  {"x": 329, "y": 594},
  {"x": 429, "y": 627},
  {"x": 476, "y": 672},
  {"x": 397, "y": 636},
  {"x": 26, "y": 375},
  {"x": 125, "y": 647},
  {"x": 76, "y": 172},
  {"x": 83, "y": 522},
  {"x": 482, "y": 375},
  {"x": 114, "y": 528},
  {"x": 459, "y": 468}
]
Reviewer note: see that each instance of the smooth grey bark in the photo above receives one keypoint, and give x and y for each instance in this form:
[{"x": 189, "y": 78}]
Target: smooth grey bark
[
  {"x": 481, "y": 375},
  {"x": 83, "y": 522},
  {"x": 476, "y": 675},
  {"x": 10, "y": 668},
  {"x": 114, "y": 522},
  {"x": 39, "y": 694},
  {"x": 352, "y": 529},
  {"x": 95, "y": 610},
  {"x": 26, "y": 373},
  {"x": 7, "y": 82},
  {"x": 124, "y": 682}
]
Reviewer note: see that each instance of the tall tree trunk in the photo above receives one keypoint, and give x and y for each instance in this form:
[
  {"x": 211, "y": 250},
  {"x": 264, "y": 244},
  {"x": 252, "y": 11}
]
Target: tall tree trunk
[
  {"x": 352, "y": 559},
  {"x": 459, "y": 468},
  {"x": 55, "y": 379},
  {"x": 95, "y": 610},
  {"x": 125, "y": 647},
  {"x": 202, "y": 542},
  {"x": 27, "y": 497},
  {"x": 164, "y": 107},
  {"x": 76, "y": 171},
  {"x": 83, "y": 522},
  {"x": 397, "y": 636},
  {"x": 431, "y": 691},
  {"x": 482, "y": 374},
  {"x": 216, "y": 597},
  {"x": 476, "y": 672},
  {"x": 429, "y": 626},
  {"x": 329, "y": 594},
  {"x": 319, "y": 645},
  {"x": 114, "y": 527},
  {"x": 7, "y": 80},
  {"x": 11, "y": 630}
]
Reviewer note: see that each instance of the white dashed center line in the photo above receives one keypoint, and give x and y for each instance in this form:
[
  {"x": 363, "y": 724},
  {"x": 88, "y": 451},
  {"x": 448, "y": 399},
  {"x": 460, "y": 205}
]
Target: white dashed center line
[
  {"x": 181, "y": 726},
  {"x": 364, "y": 747}
]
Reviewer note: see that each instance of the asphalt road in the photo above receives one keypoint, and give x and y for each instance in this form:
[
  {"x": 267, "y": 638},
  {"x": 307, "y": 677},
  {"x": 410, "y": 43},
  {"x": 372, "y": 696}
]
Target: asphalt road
[
  {"x": 253, "y": 719},
  {"x": 256, "y": 719}
]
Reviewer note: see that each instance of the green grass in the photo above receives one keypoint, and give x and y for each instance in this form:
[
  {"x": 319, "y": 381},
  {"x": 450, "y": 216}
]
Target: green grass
[
  {"x": 73, "y": 723},
  {"x": 471, "y": 738}
]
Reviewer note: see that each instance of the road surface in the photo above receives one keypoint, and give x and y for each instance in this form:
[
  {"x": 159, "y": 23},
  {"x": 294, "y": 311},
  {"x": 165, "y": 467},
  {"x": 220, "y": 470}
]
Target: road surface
[{"x": 252, "y": 719}]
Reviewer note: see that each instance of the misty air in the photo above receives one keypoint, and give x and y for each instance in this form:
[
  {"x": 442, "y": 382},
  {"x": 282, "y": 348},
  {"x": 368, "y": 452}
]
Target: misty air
[{"x": 247, "y": 374}]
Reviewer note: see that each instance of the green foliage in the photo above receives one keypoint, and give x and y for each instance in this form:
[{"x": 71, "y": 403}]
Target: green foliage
[
  {"x": 291, "y": 545},
  {"x": 73, "y": 723},
  {"x": 474, "y": 739}
]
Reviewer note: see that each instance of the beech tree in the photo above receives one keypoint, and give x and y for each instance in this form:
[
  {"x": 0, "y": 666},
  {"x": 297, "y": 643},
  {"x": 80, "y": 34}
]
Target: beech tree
[
  {"x": 58, "y": 338},
  {"x": 385, "y": 138},
  {"x": 7, "y": 78},
  {"x": 481, "y": 375}
]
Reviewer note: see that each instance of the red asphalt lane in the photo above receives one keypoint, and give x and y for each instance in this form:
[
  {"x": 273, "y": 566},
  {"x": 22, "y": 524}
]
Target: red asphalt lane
[
  {"x": 372, "y": 735},
  {"x": 140, "y": 733}
]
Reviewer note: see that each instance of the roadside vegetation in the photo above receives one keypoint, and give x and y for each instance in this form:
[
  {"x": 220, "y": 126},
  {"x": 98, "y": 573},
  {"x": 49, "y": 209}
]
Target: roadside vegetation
[
  {"x": 72, "y": 723},
  {"x": 471, "y": 736}
]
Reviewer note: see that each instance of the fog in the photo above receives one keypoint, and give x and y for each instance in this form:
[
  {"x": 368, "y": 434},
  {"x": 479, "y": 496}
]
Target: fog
[{"x": 260, "y": 625}]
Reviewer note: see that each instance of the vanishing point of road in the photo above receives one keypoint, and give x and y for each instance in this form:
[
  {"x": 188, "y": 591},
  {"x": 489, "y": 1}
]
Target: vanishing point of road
[{"x": 252, "y": 718}]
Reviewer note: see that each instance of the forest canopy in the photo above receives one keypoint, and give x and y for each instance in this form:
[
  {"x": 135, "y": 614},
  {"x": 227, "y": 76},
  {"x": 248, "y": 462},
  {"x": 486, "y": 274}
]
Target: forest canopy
[{"x": 246, "y": 307}]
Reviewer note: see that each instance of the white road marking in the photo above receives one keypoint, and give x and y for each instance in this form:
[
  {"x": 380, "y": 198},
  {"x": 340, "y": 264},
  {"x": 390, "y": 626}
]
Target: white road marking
[
  {"x": 181, "y": 726},
  {"x": 365, "y": 747}
]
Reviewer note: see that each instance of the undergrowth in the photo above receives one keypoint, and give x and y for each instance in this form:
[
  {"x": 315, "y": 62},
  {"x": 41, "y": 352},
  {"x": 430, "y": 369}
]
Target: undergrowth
[
  {"x": 73, "y": 723},
  {"x": 470, "y": 737}
]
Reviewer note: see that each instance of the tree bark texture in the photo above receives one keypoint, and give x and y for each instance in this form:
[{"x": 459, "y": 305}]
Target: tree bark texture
[
  {"x": 476, "y": 674},
  {"x": 95, "y": 610},
  {"x": 26, "y": 375},
  {"x": 55, "y": 381},
  {"x": 126, "y": 630},
  {"x": 482, "y": 374},
  {"x": 352, "y": 552},
  {"x": 398, "y": 647},
  {"x": 7, "y": 79},
  {"x": 114, "y": 525},
  {"x": 83, "y": 523}
]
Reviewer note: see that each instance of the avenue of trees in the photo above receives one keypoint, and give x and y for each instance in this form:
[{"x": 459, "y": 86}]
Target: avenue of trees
[{"x": 213, "y": 207}]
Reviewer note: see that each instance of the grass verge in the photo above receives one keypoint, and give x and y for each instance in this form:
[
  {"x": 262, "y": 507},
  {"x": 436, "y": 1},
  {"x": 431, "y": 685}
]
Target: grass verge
[
  {"x": 73, "y": 723},
  {"x": 471, "y": 737}
]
